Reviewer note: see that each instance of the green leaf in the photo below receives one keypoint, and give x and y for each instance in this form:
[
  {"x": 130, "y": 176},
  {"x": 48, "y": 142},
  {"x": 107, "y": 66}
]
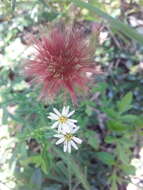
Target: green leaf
[
  {"x": 114, "y": 185},
  {"x": 88, "y": 110},
  {"x": 106, "y": 158},
  {"x": 128, "y": 169},
  {"x": 125, "y": 103},
  {"x": 117, "y": 126},
  {"x": 53, "y": 187},
  {"x": 111, "y": 113},
  {"x": 92, "y": 139},
  {"x": 139, "y": 122},
  {"x": 100, "y": 87},
  {"x": 46, "y": 160},
  {"x": 111, "y": 140},
  {"x": 115, "y": 23},
  {"x": 44, "y": 166},
  {"x": 129, "y": 118},
  {"x": 122, "y": 154},
  {"x": 36, "y": 159}
]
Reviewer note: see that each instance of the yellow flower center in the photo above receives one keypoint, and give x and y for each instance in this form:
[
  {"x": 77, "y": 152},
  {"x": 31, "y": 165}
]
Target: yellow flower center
[
  {"x": 63, "y": 119},
  {"x": 68, "y": 136}
]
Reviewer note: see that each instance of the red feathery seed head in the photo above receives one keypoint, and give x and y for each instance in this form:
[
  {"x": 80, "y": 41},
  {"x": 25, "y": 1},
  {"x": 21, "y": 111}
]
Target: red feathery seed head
[{"x": 61, "y": 62}]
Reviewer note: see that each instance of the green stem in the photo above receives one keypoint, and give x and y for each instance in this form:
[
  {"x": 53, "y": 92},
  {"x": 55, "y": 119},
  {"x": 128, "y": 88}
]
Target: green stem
[{"x": 69, "y": 173}]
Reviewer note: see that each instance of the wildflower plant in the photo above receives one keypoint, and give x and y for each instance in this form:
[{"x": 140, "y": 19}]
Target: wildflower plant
[{"x": 61, "y": 62}]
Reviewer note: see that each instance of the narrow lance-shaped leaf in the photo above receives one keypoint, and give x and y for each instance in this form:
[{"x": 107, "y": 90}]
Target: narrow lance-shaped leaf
[
  {"x": 106, "y": 158},
  {"x": 125, "y": 103}
]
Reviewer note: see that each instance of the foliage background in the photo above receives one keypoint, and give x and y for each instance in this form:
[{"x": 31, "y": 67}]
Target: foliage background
[{"x": 110, "y": 118}]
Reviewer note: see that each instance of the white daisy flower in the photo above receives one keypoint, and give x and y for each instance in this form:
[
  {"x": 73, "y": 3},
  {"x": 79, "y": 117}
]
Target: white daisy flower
[
  {"x": 62, "y": 120},
  {"x": 68, "y": 139}
]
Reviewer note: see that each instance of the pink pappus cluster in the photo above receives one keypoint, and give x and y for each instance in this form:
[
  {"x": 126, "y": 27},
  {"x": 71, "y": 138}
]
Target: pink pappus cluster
[{"x": 61, "y": 62}]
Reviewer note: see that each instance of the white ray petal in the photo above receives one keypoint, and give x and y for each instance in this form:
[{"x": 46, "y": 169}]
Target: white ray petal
[
  {"x": 60, "y": 128},
  {"x": 66, "y": 129},
  {"x": 77, "y": 140},
  {"x": 60, "y": 141},
  {"x": 73, "y": 120},
  {"x": 59, "y": 135},
  {"x": 71, "y": 125},
  {"x": 67, "y": 110},
  {"x": 69, "y": 147},
  {"x": 65, "y": 146},
  {"x": 50, "y": 117},
  {"x": 71, "y": 113},
  {"x": 74, "y": 145},
  {"x": 55, "y": 125},
  {"x": 66, "y": 125},
  {"x": 64, "y": 132},
  {"x": 57, "y": 112},
  {"x": 64, "y": 111},
  {"x": 54, "y": 116},
  {"x": 75, "y": 129}
]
